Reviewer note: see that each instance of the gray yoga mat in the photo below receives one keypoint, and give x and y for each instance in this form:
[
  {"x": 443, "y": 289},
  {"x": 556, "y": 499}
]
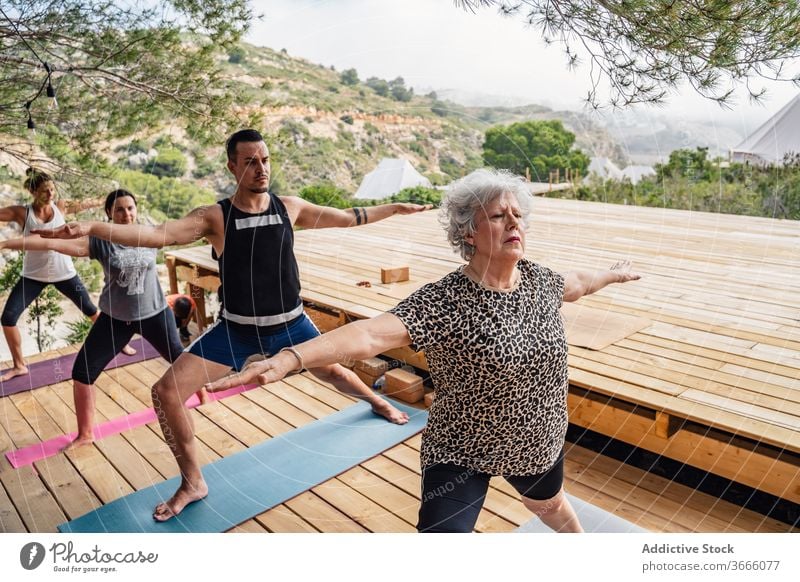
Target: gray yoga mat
[{"x": 593, "y": 519}]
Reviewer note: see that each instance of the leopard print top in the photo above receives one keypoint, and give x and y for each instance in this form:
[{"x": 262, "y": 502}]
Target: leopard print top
[{"x": 498, "y": 361}]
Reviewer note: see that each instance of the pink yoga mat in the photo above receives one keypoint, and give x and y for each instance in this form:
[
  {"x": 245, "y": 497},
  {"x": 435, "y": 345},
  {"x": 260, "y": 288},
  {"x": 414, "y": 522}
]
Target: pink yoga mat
[{"x": 48, "y": 448}]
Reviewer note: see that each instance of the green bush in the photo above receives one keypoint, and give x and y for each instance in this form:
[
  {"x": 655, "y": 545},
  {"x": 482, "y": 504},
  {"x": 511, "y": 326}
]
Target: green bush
[
  {"x": 349, "y": 77},
  {"x": 689, "y": 181},
  {"x": 90, "y": 272},
  {"x": 399, "y": 91},
  {"x": 169, "y": 163},
  {"x": 326, "y": 195},
  {"x": 440, "y": 108},
  {"x": 204, "y": 167},
  {"x": 45, "y": 310},
  {"x": 418, "y": 195},
  {"x": 236, "y": 55},
  {"x": 380, "y": 86},
  {"x": 450, "y": 166},
  {"x": 170, "y": 196},
  {"x": 542, "y": 146},
  {"x": 78, "y": 330}
]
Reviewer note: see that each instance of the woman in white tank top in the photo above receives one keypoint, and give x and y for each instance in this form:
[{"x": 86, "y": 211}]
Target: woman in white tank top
[{"x": 41, "y": 268}]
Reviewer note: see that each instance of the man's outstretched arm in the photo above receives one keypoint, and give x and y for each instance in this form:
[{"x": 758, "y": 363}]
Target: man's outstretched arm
[{"x": 308, "y": 215}]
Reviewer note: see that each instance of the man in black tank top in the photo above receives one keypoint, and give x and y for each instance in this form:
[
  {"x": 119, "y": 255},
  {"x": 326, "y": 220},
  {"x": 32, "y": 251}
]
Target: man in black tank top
[{"x": 252, "y": 238}]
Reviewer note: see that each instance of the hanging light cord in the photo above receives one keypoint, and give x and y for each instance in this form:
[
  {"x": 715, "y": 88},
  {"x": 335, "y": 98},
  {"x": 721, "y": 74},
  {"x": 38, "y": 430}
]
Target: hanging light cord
[{"x": 45, "y": 83}]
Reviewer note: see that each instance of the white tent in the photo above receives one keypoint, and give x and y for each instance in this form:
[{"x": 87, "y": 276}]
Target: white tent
[
  {"x": 636, "y": 173},
  {"x": 603, "y": 168},
  {"x": 778, "y": 136},
  {"x": 391, "y": 176}
]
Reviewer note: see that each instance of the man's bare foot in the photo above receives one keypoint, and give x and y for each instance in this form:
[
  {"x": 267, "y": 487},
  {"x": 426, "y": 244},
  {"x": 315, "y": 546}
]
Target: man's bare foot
[
  {"x": 185, "y": 495},
  {"x": 383, "y": 408},
  {"x": 129, "y": 350},
  {"x": 79, "y": 441},
  {"x": 13, "y": 373}
]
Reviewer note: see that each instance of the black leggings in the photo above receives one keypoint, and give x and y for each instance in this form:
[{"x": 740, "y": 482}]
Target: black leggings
[
  {"x": 108, "y": 336},
  {"x": 26, "y": 290},
  {"x": 452, "y": 496}
]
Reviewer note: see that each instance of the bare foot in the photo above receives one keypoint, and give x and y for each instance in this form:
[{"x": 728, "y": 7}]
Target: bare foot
[
  {"x": 79, "y": 441},
  {"x": 202, "y": 396},
  {"x": 383, "y": 408},
  {"x": 13, "y": 373},
  {"x": 185, "y": 495},
  {"x": 129, "y": 350}
]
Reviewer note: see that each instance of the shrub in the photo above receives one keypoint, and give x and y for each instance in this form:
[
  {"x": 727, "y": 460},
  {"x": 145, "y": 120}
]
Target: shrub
[
  {"x": 349, "y": 77},
  {"x": 169, "y": 163},
  {"x": 326, "y": 195}
]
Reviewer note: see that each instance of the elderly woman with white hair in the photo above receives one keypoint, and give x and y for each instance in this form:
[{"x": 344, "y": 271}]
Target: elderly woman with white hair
[{"x": 495, "y": 344}]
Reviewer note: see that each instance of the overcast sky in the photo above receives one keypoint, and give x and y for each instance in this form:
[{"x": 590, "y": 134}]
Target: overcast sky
[{"x": 434, "y": 44}]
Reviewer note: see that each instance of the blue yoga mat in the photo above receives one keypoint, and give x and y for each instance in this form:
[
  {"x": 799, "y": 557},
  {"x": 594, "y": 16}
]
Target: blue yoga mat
[{"x": 249, "y": 482}]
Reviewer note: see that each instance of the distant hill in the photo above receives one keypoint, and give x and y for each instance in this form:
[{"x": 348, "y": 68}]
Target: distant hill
[{"x": 322, "y": 129}]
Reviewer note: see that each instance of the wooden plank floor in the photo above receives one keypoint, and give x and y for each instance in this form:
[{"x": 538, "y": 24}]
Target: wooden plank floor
[
  {"x": 722, "y": 354},
  {"x": 380, "y": 495},
  {"x": 723, "y": 293}
]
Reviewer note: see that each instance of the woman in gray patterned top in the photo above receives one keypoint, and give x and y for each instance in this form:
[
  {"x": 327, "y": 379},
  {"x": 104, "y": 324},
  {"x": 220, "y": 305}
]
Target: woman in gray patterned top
[
  {"x": 131, "y": 301},
  {"x": 497, "y": 352}
]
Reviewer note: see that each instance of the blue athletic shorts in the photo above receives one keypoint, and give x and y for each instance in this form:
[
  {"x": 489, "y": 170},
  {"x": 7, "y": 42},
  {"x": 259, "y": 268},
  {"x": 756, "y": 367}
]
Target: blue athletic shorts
[{"x": 231, "y": 343}]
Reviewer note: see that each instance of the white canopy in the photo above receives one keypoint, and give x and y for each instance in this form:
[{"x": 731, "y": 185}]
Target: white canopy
[
  {"x": 636, "y": 173},
  {"x": 603, "y": 168},
  {"x": 778, "y": 136},
  {"x": 391, "y": 176}
]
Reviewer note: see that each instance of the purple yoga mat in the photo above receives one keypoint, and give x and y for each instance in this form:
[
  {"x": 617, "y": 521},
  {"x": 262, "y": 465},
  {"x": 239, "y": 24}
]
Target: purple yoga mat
[{"x": 60, "y": 369}]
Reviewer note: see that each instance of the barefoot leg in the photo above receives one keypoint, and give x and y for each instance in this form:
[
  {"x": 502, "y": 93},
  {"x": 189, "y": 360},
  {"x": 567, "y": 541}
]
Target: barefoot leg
[
  {"x": 14, "y": 341},
  {"x": 347, "y": 382},
  {"x": 84, "y": 396},
  {"x": 170, "y": 393}
]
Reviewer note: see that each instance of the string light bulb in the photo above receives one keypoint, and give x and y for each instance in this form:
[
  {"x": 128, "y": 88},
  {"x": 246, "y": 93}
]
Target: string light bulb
[
  {"x": 31, "y": 124},
  {"x": 51, "y": 93}
]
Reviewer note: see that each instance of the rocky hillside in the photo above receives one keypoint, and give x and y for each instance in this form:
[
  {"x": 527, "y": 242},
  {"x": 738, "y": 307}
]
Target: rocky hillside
[{"x": 323, "y": 126}]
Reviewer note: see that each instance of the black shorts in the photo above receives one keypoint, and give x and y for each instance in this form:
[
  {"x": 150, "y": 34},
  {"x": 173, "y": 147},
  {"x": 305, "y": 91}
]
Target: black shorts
[
  {"x": 452, "y": 496},
  {"x": 108, "y": 336},
  {"x": 26, "y": 290}
]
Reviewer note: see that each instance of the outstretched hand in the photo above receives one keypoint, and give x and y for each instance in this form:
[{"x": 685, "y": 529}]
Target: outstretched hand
[
  {"x": 259, "y": 372},
  {"x": 623, "y": 271},
  {"x": 409, "y": 208},
  {"x": 66, "y": 231}
]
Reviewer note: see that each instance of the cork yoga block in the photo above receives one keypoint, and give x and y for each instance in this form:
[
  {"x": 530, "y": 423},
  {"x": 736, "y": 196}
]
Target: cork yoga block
[
  {"x": 394, "y": 274},
  {"x": 366, "y": 378},
  {"x": 404, "y": 385},
  {"x": 372, "y": 366}
]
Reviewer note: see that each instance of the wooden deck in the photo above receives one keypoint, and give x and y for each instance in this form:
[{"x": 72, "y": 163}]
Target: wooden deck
[
  {"x": 380, "y": 495},
  {"x": 712, "y": 382}
]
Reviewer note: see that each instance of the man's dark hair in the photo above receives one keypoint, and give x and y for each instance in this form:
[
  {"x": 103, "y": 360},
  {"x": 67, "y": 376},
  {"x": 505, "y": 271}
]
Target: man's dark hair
[
  {"x": 182, "y": 309},
  {"x": 112, "y": 197},
  {"x": 241, "y": 136}
]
